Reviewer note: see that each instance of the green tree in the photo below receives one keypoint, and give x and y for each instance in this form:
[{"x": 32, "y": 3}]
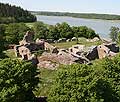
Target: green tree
[
  {"x": 64, "y": 30},
  {"x": 83, "y": 31},
  {"x": 53, "y": 32},
  {"x": 90, "y": 33},
  {"x": 17, "y": 81},
  {"x": 114, "y": 33},
  {"x": 118, "y": 38},
  {"x": 41, "y": 30},
  {"x": 15, "y": 32}
]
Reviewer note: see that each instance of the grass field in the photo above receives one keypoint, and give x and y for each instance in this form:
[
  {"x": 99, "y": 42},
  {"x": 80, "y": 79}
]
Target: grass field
[
  {"x": 29, "y": 24},
  {"x": 82, "y": 41},
  {"x": 10, "y": 53},
  {"x": 46, "y": 80}
]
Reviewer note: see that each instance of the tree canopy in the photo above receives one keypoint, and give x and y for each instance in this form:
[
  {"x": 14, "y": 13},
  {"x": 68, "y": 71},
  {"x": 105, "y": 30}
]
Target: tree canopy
[
  {"x": 41, "y": 30},
  {"x": 114, "y": 33},
  {"x": 15, "y": 32},
  {"x": 62, "y": 30},
  {"x": 12, "y": 14}
]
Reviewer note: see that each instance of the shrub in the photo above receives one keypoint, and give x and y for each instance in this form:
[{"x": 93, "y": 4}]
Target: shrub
[
  {"x": 88, "y": 83},
  {"x": 17, "y": 81}
]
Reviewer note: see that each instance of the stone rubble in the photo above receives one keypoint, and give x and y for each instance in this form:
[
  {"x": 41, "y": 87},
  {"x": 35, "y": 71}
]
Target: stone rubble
[{"x": 53, "y": 57}]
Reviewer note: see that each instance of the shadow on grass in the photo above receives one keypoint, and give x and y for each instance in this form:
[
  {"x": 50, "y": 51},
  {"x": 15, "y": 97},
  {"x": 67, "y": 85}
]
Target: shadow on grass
[
  {"x": 3, "y": 55},
  {"x": 41, "y": 99}
]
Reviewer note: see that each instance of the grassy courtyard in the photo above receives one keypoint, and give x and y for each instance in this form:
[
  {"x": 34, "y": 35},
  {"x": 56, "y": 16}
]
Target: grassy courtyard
[{"x": 82, "y": 41}]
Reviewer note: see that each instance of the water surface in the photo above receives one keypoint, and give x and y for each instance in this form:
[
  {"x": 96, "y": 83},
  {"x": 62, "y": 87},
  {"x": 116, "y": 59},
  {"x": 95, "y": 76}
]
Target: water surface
[{"x": 100, "y": 26}]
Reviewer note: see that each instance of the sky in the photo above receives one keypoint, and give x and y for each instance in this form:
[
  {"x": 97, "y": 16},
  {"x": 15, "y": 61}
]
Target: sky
[{"x": 78, "y": 6}]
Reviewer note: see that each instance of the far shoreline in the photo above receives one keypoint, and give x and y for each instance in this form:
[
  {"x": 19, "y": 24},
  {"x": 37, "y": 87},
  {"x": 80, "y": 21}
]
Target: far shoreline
[{"x": 79, "y": 17}]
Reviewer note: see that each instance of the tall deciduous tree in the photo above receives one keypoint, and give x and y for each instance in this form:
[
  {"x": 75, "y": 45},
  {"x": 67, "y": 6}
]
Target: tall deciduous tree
[
  {"x": 64, "y": 30},
  {"x": 41, "y": 30},
  {"x": 114, "y": 33}
]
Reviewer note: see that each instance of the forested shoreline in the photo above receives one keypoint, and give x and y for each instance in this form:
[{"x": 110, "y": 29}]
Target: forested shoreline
[
  {"x": 14, "y": 14},
  {"x": 79, "y": 15}
]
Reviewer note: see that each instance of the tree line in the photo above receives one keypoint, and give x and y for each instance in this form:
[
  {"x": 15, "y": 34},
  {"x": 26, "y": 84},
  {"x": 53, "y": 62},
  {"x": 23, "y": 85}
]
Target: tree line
[
  {"x": 14, "y": 32},
  {"x": 62, "y": 30},
  {"x": 12, "y": 14},
  {"x": 79, "y": 15}
]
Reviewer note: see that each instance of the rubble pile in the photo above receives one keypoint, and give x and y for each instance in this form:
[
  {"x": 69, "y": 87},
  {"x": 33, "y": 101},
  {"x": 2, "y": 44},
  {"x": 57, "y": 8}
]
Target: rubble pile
[{"x": 53, "y": 57}]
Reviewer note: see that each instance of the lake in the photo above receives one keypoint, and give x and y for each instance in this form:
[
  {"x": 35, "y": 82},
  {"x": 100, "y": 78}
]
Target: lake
[{"x": 100, "y": 26}]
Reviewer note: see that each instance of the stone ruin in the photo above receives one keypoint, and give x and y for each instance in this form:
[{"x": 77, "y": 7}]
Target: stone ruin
[
  {"x": 50, "y": 48},
  {"x": 28, "y": 38},
  {"x": 27, "y": 46},
  {"x": 95, "y": 52},
  {"x": 53, "y": 60},
  {"x": 53, "y": 57},
  {"x": 107, "y": 50}
]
